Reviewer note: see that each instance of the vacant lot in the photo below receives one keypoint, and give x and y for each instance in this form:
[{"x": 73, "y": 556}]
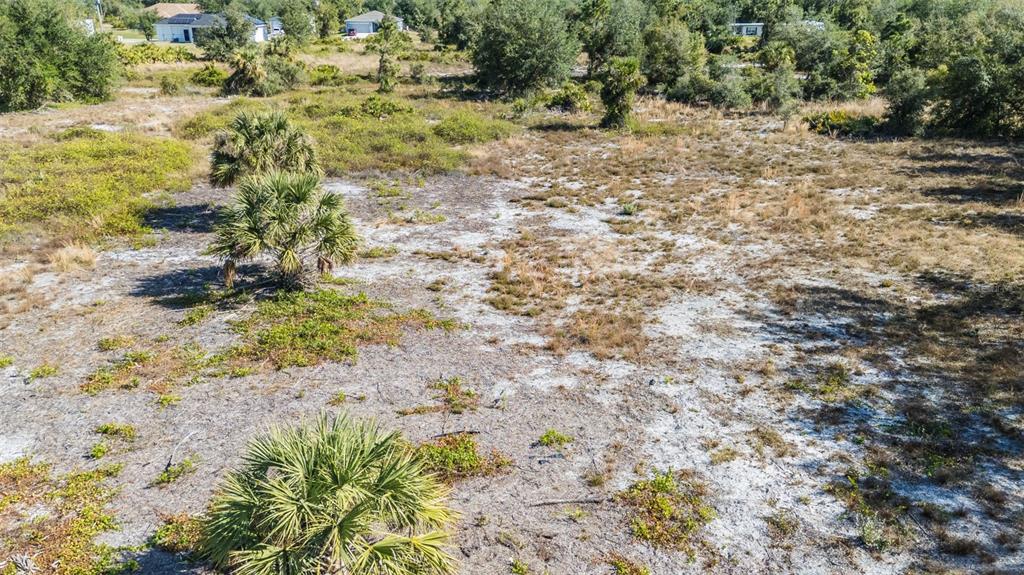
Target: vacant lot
[{"x": 713, "y": 344}]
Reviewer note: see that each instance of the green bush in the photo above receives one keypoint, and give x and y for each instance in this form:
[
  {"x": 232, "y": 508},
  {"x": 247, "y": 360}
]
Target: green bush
[
  {"x": 382, "y": 514},
  {"x": 89, "y": 183},
  {"x": 524, "y": 45},
  {"x": 842, "y": 123},
  {"x": 170, "y": 85},
  {"x": 620, "y": 79},
  {"x": 327, "y": 75},
  {"x": 260, "y": 143},
  {"x": 572, "y": 98},
  {"x": 258, "y": 72},
  {"x": 220, "y": 42},
  {"x": 908, "y": 96},
  {"x": 209, "y": 76},
  {"x": 289, "y": 217},
  {"x": 135, "y": 54},
  {"x": 45, "y": 55},
  {"x": 464, "y": 127}
]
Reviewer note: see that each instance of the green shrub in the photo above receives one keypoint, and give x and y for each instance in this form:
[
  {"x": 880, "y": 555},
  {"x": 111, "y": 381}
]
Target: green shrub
[
  {"x": 327, "y": 75},
  {"x": 908, "y": 96},
  {"x": 209, "y": 76},
  {"x": 258, "y": 143},
  {"x": 259, "y": 72},
  {"x": 841, "y": 123},
  {"x": 135, "y": 54},
  {"x": 220, "y": 42},
  {"x": 464, "y": 127},
  {"x": 45, "y": 55},
  {"x": 621, "y": 79},
  {"x": 382, "y": 514},
  {"x": 291, "y": 218},
  {"x": 524, "y": 45},
  {"x": 572, "y": 98},
  {"x": 170, "y": 86},
  {"x": 94, "y": 183}
]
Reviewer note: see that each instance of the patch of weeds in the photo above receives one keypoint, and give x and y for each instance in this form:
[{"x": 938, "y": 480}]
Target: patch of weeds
[
  {"x": 120, "y": 374},
  {"x": 307, "y": 328},
  {"x": 465, "y": 127},
  {"x": 337, "y": 399},
  {"x": 196, "y": 315},
  {"x": 114, "y": 343},
  {"x": 518, "y": 568},
  {"x": 176, "y": 471},
  {"x": 782, "y": 525},
  {"x": 622, "y": 566},
  {"x": 765, "y": 437},
  {"x": 630, "y": 209},
  {"x": 42, "y": 371},
  {"x": 605, "y": 334},
  {"x": 880, "y": 511},
  {"x": 165, "y": 400},
  {"x": 6, "y": 361},
  {"x": 417, "y": 216},
  {"x": 668, "y": 511},
  {"x": 455, "y": 457},
  {"x": 832, "y": 384},
  {"x": 724, "y": 455},
  {"x": 379, "y": 252},
  {"x": 454, "y": 398},
  {"x": 123, "y": 431},
  {"x": 99, "y": 450},
  {"x": 59, "y": 517},
  {"x": 180, "y": 533},
  {"x": 554, "y": 438},
  {"x": 438, "y": 285},
  {"x": 86, "y": 186}
]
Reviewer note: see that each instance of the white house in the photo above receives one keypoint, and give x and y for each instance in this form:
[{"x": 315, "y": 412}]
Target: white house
[
  {"x": 747, "y": 28},
  {"x": 365, "y": 24},
  {"x": 183, "y": 27}
]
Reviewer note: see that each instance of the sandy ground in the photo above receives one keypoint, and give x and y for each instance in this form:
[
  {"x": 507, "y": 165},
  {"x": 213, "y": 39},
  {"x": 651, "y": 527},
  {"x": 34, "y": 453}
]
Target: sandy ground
[{"x": 656, "y": 413}]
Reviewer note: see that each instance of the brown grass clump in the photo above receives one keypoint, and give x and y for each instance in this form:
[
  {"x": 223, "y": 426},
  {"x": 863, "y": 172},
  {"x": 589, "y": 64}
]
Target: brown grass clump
[{"x": 74, "y": 255}]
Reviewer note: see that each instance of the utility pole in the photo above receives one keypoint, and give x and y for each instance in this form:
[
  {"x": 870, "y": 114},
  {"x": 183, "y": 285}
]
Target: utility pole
[{"x": 99, "y": 13}]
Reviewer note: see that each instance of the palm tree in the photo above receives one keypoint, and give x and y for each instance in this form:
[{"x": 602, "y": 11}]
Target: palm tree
[
  {"x": 289, "y": 216},
  {"x": 258, "y": 143},
  {"x": 329, "y": 497},
  {"x": 249, "y": 71}
]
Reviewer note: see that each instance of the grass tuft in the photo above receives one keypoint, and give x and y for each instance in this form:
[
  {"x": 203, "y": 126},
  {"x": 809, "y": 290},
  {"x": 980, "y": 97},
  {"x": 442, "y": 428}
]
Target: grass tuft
[{"x": 455, "y": 457}]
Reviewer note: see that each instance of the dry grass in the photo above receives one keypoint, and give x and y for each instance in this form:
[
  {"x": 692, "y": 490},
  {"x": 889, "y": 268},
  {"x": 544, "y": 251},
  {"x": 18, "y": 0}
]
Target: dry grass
[{"x": 72, "y": 256}]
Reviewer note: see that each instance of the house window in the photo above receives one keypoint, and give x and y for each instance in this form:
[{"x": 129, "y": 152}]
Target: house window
[
  {"x": 187, "y": 34},
  {"x": 750, "y": 30}
]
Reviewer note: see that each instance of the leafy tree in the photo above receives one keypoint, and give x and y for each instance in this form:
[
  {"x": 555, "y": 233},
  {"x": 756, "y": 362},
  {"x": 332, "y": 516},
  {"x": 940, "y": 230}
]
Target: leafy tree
[
  {"x": 297, "y": 22},
  {"x": 389, "y": 42},
  {"x": 331, "y": 496},
  {"x": 620, "y": 79},
  {"x": 220, "y": 42},
  {"x": 609, "y": 28},
  {"x": 524, "y": 45},
  {"x": 908, "y": 96},
  {"x": 258, "y": 143},
  {"x": 672, "y": 54},
  {"x": 45, "y": 55},
  {"x": 291, "y": 218},
  {"x": 328, "y": 21},
  {"x": 145, "y": 22},
  {"x": 458, "y": 22}
]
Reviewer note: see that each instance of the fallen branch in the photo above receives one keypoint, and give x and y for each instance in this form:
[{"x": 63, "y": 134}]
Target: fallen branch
[{"x": 593, "y": 500}]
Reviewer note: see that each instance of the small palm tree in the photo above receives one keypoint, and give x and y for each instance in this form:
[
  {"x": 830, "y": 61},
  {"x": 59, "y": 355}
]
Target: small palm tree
[
  {"x": 330, "y": 497},
  {"x": 289, "y": 216},
  {"x": 249, "y": 71},
  {"x": 258, "y": 143}
]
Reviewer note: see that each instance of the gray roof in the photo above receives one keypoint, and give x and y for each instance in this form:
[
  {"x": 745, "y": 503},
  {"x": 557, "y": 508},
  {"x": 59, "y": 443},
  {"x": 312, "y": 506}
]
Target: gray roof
[
  {"x": 196, "y": 20},
  {"x": 375, "y": 16},
  {"x": 209, "y": 20}
]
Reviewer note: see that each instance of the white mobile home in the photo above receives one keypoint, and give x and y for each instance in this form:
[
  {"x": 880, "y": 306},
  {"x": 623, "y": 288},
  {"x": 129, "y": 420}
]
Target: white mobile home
[
  {"x": 368, "y": 23},
  {"x": 183, "y": 27}
]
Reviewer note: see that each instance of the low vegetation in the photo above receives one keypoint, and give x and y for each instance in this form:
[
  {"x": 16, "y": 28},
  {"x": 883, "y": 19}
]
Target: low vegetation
[
  {"x": 382, "y": 514},
  {"x": 49, "y": 519},
  {"x": 458, "y": 456},
  {"x": 668, "y": 510},
  {"x": 88, "y": 183},
  {"x": 306, "y": 328}
]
